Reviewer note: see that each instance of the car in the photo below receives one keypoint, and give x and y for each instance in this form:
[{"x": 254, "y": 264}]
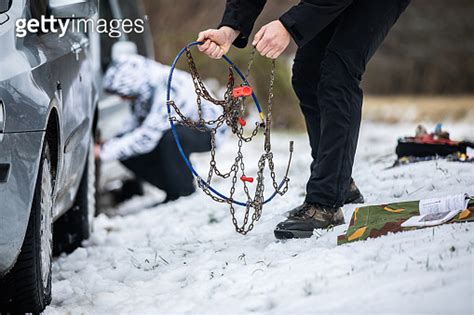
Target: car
[{"x": 48, "y": 120}]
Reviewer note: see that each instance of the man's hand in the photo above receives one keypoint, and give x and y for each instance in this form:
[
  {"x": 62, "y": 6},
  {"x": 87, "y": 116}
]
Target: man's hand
[
  {"x": 272, "y": 39},
  {"x": 217, "y": 42}
]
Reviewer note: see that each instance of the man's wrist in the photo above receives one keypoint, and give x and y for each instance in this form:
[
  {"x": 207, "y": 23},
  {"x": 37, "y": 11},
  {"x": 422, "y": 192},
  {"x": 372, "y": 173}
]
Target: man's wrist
[{"x": 231, "y": 33}]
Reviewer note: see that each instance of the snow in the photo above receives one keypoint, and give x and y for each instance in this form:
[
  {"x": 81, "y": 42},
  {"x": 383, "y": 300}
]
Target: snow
[{"x": 185, "y": 257}]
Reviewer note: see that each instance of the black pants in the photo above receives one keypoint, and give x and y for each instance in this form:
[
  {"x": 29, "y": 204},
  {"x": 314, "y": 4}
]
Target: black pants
[
  {"x": 326, "y": 77},
  {"x": 165, "y": 168}
]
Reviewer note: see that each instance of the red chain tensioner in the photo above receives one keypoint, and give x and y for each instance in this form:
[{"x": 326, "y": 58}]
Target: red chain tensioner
[
  {"x": 242, "y": 91},
  {"x": 246, "y": 179}
]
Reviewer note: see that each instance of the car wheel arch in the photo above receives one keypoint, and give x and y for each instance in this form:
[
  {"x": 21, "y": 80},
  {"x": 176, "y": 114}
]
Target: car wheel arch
[
  {"x": 53, "y": 137},
  {"x": 95, "y": 121}
]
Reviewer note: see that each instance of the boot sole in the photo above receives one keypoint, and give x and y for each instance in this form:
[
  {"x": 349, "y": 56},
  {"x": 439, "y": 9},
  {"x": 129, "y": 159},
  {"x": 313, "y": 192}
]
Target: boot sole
[{"x": 290, "y": 234}]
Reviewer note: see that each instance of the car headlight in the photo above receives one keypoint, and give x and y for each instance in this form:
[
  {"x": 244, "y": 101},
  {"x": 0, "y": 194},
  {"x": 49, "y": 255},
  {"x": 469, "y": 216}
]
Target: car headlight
[{"x": 2, "y": 117}]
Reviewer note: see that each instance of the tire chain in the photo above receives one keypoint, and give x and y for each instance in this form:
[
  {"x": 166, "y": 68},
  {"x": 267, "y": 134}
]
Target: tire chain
[{"x": 232, "y": 110}]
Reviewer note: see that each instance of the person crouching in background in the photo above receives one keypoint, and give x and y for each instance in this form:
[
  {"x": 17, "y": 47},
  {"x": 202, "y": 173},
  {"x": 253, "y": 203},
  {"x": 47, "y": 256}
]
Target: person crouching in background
[{"x": 145, "y": 145}]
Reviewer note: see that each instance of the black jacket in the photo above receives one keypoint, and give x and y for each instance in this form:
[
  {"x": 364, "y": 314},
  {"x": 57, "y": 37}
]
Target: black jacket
[{"x": 303, "y": 21}]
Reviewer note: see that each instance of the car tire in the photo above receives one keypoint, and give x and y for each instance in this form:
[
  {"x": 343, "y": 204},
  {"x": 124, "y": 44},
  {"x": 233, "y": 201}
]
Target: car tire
[
  {"x": 76, "y": 225},
  {"x": 27, "y": 287}
]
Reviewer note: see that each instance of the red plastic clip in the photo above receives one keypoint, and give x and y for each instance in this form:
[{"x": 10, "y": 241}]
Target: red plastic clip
[
  {"x": 242, "y": 91},
  {"x": 242, "y": 122},
  {"x": 246, "y": 179}
]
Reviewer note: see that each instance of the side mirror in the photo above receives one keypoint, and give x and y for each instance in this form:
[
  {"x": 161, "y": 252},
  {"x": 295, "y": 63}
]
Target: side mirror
[
  {"x": 5, "y": 5},
  {"x": 73, "y": 8}
]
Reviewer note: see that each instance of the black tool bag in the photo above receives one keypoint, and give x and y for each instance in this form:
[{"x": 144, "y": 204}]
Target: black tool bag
[{"x": 409, "y": 146}]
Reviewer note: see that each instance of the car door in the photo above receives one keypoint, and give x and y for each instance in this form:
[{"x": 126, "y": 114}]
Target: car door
[
  {"x": 77, "y": 116},
  {"x": 67, "y": 68}
]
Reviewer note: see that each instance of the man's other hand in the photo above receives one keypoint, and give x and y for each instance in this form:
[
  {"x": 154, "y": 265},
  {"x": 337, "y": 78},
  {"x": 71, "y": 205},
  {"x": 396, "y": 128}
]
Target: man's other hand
[
  {"x": 272, "y": 39},
  {"x": 217, "y": 42}
]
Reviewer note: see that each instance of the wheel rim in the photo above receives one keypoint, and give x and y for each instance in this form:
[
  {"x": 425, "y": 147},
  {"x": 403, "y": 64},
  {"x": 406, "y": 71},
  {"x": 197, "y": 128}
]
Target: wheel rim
[{"x": 46, "y": 223}]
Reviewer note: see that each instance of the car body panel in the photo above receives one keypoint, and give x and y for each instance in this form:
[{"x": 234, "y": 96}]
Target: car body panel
[
  {"x": 15, "y": 207},
  {"x": 40, "y": 74}
]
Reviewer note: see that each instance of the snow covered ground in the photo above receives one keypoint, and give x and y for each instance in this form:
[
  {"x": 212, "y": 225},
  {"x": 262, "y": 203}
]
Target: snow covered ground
[{"x": 185, "y": 257}]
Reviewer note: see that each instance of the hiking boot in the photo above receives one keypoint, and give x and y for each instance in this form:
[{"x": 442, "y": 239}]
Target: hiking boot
[
  {"x": 354, "y": 195},
  {"x": 306, "y": 219}
]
